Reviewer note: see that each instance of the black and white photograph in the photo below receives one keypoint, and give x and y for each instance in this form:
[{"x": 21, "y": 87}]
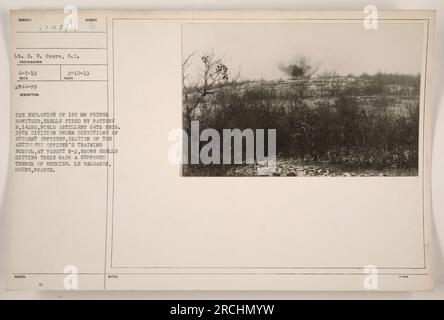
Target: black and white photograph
[{"x": 301, "y": 98}]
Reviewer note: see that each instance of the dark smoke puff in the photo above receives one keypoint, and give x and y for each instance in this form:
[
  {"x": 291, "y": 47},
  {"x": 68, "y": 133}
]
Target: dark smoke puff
[{"x": 298, "y": 67}]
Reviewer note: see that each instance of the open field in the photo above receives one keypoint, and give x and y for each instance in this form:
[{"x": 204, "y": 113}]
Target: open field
[{"x": 326, "y": 125}]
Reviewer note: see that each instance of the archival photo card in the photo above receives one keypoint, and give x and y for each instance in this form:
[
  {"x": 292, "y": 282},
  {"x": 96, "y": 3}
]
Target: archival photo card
[{"x": 220, "y": 150}]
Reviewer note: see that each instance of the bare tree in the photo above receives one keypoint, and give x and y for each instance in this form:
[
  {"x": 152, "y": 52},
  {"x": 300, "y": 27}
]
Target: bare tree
[
  {"x": 186, "y": 62},
  {"x": 213, "y": 72}
]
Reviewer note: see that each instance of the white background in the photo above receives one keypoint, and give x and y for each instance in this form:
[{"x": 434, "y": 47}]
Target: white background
[{"x": 438, "y": 143}]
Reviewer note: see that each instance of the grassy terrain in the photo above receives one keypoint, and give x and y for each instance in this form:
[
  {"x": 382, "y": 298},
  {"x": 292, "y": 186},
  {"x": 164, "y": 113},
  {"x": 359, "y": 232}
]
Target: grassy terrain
[{"x": 366, "y": 125}]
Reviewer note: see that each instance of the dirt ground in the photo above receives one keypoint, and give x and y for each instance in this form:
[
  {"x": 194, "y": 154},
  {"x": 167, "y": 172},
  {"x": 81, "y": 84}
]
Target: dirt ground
[
  {"x": 291, "y": 167},
  {"x": 298, "y": 168}
]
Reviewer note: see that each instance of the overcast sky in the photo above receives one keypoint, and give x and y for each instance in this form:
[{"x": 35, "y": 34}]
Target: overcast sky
[{"x": 257, "y": 49}]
